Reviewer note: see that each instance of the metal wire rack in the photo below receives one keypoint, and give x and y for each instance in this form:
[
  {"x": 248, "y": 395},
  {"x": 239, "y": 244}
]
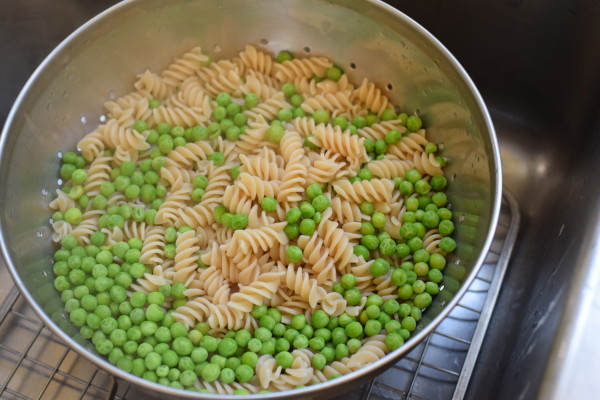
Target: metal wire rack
[{"x": 35, "y": 364}]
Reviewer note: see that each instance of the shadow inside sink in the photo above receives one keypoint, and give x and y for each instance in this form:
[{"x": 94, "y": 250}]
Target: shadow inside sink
[{"x": 536, "y": 64}]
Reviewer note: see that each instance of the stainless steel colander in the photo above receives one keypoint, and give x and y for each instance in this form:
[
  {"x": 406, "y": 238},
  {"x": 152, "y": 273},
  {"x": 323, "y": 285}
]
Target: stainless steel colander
[{"x": 63, "y": 100}]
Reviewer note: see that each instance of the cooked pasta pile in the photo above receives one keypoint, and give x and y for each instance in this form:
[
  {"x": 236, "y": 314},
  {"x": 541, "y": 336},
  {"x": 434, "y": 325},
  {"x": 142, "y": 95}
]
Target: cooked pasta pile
[{"x": 250, "y": 224}]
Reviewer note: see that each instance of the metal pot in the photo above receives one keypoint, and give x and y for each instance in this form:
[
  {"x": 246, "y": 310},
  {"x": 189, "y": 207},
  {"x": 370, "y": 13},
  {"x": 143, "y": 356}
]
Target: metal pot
[{"x": 63, "y": 100}]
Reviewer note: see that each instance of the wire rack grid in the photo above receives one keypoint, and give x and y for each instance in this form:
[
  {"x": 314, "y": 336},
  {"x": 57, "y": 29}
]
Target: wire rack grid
[{"x": 35, "y": 364}]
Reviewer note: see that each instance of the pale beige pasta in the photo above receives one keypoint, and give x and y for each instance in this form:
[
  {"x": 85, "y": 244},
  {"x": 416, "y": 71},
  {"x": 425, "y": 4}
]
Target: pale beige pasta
[
  {"x": 294, "y": 176},
  {"x": 115, "y": 134},
  {"x": 374, "y": 190},
  {"x": 410, "y": 144},
  {"x": 192, "y": 94},
  {"x": 316, "y": 256},
  {"x": 301, "y": 68},
  {"x": 302, "y": 284},
  {"x": 180, "y": 116},
  {"x": 379, "y": 130},
  {"x": 269, "y": 108},
  {"x": 92, "y": 144},
  {"x": 254, "y": 59},
  {"x": 176, "y": 199},
  {"x": 256, "y": 292},
  {"x": 253, "y": 240},
  {"x": 122, "y": 155},
  {"x": 152, "y": 252},
  {"x": 371, "y": 97},
  {"x": 256, "y": 188},
  {"x": 345, "y": 211},
  {"x": 153, "y": 85},
  {"x": 390, "y": 167},
  {"x": 184, "y": 67},
  {"x": 186, "y": 257},
  {"x": 343, "y": 143},
  {"x": 326, "y": 168},
  {"x": 336, "y": 241},
  {"x": 337, "y": 103},
  {"x": 426, "y": 164},
  {"x": 262, "y": 165},
  {"x": 62, "y": 202}
]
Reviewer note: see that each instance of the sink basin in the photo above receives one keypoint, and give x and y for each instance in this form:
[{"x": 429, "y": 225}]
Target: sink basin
[{"x": 536, "y": 64}]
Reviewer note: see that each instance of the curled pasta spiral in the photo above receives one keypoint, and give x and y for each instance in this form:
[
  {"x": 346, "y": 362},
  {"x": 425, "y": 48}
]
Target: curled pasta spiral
[
  {"x": 389, "y": 167},
  {"x": 317, "y": 257},
  {"x": 301, "y": 68},
  {"x": 256, "y": 292},
  {"x": 350, "y": 146},
  {"x": 302, "y": 284},
  {"x": 253, "y": 240},
  {"x": 374, "y": 190},
  {"x": 345, "y": 211},
  {"x": 187, "y": 155},
  {"x": 324, "y": 169},
  {"x": 127, "y": 138},
  {"x": 379, "y": 130},
  {"x": 254, "y": 59},
  {"x": 294, "y": 177},
  {"x": 372, "y": 98},
  {"x": 153, "y": 84},
  {"x": 256, "y": 188},
  {"x": 186, "y": 249},
  {"x": 176, "y": 199},
  {"x": 92, "y": 145},
  {"x": 152, "y": 252},
  {"x": 426, "y": 164},
  {"x": 184, "y": 67},
  {"x": 62, "y": 202},
  {"x": 409, "y": 145},
  {"x": 192, "y": 94},
  {"x": 180, "y": 116},
  {"x": 336, "y": 241},
  {"x": 334, "y": 304},
  {"x": 262, "y": 165},
  {"x": 269, "y": 108},
  {"x": 338, "y": 103}
]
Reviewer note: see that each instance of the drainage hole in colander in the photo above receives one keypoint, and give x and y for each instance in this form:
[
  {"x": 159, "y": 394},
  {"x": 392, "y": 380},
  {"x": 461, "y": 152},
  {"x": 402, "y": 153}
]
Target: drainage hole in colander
[
  {"x": 352, "y": 65},
  {"x": 264, "y": 42},
  {"x": 389, "y": 86},
  {"x": 307, "y": 49}
]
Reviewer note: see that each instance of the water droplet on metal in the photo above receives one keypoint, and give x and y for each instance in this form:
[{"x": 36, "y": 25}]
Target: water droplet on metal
[
  {"x": 102, "y": 118},
  {"x": 112, "y": 94},
  {"x": 83, "y": 119},
  {"x": 39, "y": 234},
  {"x": 44, "y": 192},
  {"x": 59, "y": 155},
  {"x": 59, "y": 181},
  {"x": 217, "y": 48}
]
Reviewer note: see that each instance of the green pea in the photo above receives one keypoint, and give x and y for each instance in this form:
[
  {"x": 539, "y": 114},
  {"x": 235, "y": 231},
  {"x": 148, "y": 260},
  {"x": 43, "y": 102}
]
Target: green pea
[
  {"x": 379, "y": 267},
  {"x": 269, "y": 204},
  {"x": 251, "y": 100},
  {"x": 283, "y": 56},
  {"x": 321, "y": 203},
  {"x": 275, "y": 133},
  {"x": 293, "y": 215},
  {"x": 307, "y": 227},
  {"x": 371, "y": 242},
  {"x": 360, "y": 250},
  {"x": 321, "y": 116},
  {"x": 352, "y": 296},
  {"x": 414, "y": 123}
]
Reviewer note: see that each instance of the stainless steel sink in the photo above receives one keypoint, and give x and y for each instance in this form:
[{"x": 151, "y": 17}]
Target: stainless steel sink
[{"x": 536, "y": 64}]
